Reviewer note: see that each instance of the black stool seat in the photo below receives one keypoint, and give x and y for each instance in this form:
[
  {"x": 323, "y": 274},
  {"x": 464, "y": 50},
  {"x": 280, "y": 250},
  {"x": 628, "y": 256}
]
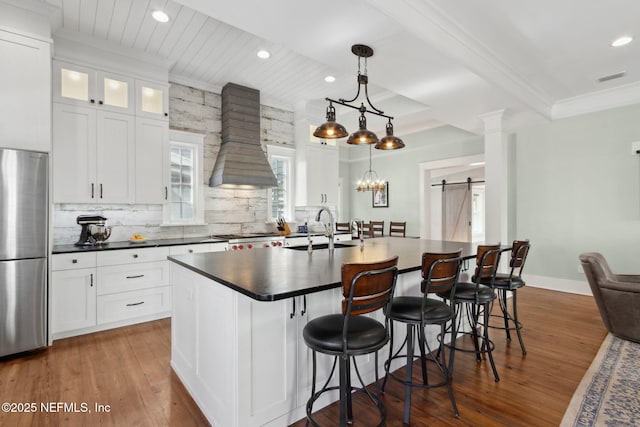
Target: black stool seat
[
  {"x": 407, "y": 309},
  {"x": 325, "y": 334},
  {"x": 504, "y": 281},
  {"x": 470, "y": 292}
]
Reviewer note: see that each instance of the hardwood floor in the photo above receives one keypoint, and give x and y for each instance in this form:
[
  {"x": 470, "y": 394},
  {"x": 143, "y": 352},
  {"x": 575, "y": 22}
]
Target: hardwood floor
[
  {"x": 562, "y": 333},
  {"x": 128, "y": 369}
]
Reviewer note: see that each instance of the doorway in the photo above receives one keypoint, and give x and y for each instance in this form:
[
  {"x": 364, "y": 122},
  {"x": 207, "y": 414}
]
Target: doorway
[{"x": 434, "y": 213}]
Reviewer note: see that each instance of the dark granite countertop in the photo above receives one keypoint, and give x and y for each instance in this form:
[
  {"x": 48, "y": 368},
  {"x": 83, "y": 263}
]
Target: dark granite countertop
[
  {"x": 109, "y": 246},
  {"x": 64, "y": 249},
  {"x": 280, "y": 273}
]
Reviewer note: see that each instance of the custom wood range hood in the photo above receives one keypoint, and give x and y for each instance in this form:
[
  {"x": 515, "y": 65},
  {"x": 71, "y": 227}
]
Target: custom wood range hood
[{"x": 241, "y": 162}]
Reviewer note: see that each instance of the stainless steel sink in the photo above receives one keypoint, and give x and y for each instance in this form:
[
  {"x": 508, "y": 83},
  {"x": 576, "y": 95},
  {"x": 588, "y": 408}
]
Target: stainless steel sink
[{"x": 319, "y": 246}]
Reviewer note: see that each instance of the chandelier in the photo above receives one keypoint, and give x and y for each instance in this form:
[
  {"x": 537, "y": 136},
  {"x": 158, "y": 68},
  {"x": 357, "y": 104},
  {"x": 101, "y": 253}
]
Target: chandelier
[
  {"x": 332, "y": 130},
  {"x": 370, "y": 180}
]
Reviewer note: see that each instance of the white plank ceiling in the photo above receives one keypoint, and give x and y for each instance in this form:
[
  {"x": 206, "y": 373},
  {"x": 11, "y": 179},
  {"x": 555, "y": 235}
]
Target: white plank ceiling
[{"x": 436, "y": 61}]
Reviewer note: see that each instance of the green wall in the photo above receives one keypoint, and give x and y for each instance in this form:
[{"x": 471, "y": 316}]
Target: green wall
[
  {"x": 400, "y": 168},
  {"x": 577, "y": 190}
]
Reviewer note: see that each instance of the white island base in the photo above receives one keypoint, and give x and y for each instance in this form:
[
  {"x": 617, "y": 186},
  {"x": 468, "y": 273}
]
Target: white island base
[{"x": 244, "y": 361}]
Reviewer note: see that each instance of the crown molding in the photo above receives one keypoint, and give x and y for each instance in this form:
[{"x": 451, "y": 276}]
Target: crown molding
[{"x": 606, "y": 99}]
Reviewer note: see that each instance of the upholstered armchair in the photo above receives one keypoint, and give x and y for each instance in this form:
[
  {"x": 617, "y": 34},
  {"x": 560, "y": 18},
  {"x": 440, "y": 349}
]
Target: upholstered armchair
[{"x": 617, "y": 296}]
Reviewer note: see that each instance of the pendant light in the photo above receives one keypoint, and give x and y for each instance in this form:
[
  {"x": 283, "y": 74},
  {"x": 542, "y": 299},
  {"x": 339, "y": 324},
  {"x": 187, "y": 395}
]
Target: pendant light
[
  {"x": 330, "y": 129},
  {"x": 390, "y": 142},
  {"x": 333, "y": 130}
]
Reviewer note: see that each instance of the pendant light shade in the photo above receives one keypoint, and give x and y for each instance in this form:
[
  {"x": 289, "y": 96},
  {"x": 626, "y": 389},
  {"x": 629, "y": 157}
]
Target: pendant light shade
[
  {"x": 390, "y": 142},
  {"x": 330, "y": 129},
  {"x": 362, "y": 135}
]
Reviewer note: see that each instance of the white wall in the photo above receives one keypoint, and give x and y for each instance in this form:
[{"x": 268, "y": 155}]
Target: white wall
[{"x": 577, "y": 189}]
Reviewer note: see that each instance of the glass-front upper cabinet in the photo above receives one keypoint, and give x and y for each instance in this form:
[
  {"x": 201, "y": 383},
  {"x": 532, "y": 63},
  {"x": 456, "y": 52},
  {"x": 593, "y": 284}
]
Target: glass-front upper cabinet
[
  {"x": 152, "y": 100},
  {"x": 74, "y": 84}
]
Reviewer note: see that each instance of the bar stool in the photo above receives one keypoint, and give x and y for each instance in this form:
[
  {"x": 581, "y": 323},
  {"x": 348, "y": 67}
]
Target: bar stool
[
  {"x": 511, "y": 282},
  {"x": 476, "y": 297},
  {"x": 439, "y": 275},
  {"x": 366, "y": 287}
]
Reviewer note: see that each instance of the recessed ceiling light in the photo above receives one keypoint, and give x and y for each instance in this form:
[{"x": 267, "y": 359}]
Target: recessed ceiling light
[
  {"x": 329, "y": 79},
  {"x": 263, "y": 54},
  {"x": 160, "y": 16},
  {"x": 621, "y": 41}
]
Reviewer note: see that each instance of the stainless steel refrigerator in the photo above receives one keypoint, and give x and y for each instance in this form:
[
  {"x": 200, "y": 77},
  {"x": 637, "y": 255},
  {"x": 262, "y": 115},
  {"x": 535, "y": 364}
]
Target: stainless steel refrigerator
[{"x": 23, "y": 250}]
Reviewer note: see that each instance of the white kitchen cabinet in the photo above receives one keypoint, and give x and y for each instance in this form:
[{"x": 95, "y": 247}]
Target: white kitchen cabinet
[
  {"x": 152, "y": 100},
  {"x": 25, "y": 85},
  {"x": 322, "y": 174},
  {"x": 106, "y": 289},
  {"x": 73, "y": 292},
  {"x": 84, "y": 86},
  {"x": 93, "y": 155},
  {"x": 151, "y": 159},
  {"x": 260, "y": 349}
]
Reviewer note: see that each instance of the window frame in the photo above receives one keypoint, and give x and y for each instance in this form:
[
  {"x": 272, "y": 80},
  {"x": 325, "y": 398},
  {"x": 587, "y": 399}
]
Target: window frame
[
  {"x": 288, "y": 154},
  {"x": 194, "y": 141}
]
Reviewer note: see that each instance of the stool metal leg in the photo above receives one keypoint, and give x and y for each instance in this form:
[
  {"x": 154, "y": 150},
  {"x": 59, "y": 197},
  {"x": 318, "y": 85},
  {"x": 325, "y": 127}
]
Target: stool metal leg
[
  {"x": 409, "y": 369},
  {"x": 344, "y": 390},
  {"x": 488, "y": 343},
  {"x": 505, "y": 312},
  {"x": 517, "y": 322}
]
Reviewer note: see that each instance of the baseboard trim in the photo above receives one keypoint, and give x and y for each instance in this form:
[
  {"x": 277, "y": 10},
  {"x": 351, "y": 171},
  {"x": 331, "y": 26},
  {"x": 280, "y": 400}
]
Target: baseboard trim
[{"x": 556, "y": 284}]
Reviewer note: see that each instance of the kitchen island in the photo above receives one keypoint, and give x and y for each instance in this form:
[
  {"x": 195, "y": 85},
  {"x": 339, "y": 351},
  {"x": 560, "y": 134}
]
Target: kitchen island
[{"x": 238, "y": 317}]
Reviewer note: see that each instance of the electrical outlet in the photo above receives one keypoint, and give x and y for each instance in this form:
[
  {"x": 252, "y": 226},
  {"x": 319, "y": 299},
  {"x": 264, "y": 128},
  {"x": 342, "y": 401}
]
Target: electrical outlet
[{"x": 635, "y": 148}]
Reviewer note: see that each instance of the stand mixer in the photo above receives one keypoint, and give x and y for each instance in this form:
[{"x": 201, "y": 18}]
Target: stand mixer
[{"x": 94, "y": 231}]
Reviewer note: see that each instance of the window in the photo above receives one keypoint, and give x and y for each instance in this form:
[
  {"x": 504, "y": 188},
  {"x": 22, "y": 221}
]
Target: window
[
  {"x": 185, "y": 204},
  {"x": 281, "y": 197}
]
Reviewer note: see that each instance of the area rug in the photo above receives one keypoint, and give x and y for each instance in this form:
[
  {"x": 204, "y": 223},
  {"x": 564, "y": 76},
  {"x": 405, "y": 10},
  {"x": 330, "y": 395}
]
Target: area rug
[{"x": 608, "y": 394}]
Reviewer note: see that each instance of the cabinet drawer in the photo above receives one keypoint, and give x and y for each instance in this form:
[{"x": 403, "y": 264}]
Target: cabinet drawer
[
  {"x": 127, "y": 256},
  {"x": 130, "y": 277},
  {"x": 128, "y": 305},
  {"x": 190, "y": 249},
  {"x": 73, "y": 261}
]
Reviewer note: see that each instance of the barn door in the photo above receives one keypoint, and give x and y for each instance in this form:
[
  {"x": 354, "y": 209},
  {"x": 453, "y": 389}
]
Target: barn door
[{"x": 456, "y": 212}]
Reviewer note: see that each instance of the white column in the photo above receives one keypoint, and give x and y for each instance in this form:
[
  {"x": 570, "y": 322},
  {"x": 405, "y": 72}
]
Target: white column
[{"x": 496, "y": 178}]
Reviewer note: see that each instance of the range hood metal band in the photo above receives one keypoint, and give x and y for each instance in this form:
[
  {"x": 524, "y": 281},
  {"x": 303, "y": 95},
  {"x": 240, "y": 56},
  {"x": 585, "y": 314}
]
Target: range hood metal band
[{"x": 241, "y": 162}]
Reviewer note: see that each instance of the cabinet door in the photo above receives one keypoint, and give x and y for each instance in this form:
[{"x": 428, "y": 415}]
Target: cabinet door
[
  {"x": 152, "y": 100},
  {"x": 115, "y": 93},
  {"x": 25, "y": 73},
  {"x": 115, "y": 157},
  {"x": 73, "y": 84},
  {"x": 152, "y": 150},
  {"x": 267, "y": 359},
  {"x": 330, "y": 176},
  {"x": 74, "y": 154},
  {"x": 315, "y": 175},
  {"x": 73, "y": 299},
  {"x": 322, "y": 175}
]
